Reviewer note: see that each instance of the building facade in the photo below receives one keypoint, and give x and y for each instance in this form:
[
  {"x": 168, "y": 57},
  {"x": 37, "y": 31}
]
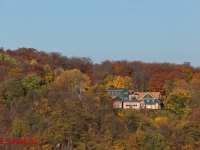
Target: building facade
[{"x": 124, "y": 98}]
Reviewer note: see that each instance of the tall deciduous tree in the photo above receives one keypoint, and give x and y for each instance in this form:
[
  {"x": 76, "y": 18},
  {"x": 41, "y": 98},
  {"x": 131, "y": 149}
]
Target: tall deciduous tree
[
  {"x": 122, "y": 82},
  {"x": 12, "y": 89},
  {"x": 141, "y": 75},
  {"x": 73, "y": 80},
  {"x": 176, "y": 102},
  {"x": 32, "y": 82},
  {"x": 84, "y": 64},
  {"x": 48, "y": 74}
]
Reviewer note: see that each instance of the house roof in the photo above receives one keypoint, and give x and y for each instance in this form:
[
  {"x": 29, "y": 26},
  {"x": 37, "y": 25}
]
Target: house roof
[
  {"x": 113, "y": 97},
  {"x": 118, "y": 89},
  {"x": 130, "y": 91},
  {"x": 155, "y": 94},
  {"x": 142, "y": 94},
  {"x": 116, "y": 98}
]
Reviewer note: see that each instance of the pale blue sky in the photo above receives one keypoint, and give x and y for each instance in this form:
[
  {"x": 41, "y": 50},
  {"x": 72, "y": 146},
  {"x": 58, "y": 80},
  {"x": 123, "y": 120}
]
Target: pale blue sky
[{"x": 145, "y": 30}]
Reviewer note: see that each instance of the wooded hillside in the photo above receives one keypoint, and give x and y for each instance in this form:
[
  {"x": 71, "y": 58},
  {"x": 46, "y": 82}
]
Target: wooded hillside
[{"x": 55, "y": 99}]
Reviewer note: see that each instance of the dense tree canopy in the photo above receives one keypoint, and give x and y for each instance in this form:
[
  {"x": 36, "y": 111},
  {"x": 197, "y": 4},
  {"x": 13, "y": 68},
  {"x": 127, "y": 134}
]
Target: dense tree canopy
[{"x": 59, "y": 100}]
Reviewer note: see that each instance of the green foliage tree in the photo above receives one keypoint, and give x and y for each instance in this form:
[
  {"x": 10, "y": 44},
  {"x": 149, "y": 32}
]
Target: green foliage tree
[
  {"x": 1, "y": 57},
  {"x": 176, "y": 102},
  {"x": 191, "y": 132},
  {"x": 150, "y": 140},
  {"x": 48, "y": 74},
  {"x": 20, "y": 128},
  {"x": 135, "y": 120},
  {"x": 32, "y": 82},
  {"x": 11, "y": 90},
  {"x": 157, "y": 141}
]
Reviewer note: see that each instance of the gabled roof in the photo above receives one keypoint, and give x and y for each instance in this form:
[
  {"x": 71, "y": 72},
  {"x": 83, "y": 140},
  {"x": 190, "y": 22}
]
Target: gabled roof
[
  {"x": 113, "y": 97},
  {"x": 140, "y": 94},
  {"x": 130, "y": 91},
  {"x": 155, "y": 95},
  {"x": 117, "y": 89},
  {"x": 116, "y": 98}
]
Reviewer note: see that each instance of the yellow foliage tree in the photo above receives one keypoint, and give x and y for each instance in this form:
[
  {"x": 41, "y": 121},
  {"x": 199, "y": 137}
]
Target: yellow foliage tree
[
  {"x": 33, "y": 62},
  {"x": 74, "y": 80},
  {"x": 108, "y": 81},
  {"x": 42, "y": 107},
  {"x": 48, "y": 76},
  {"x": 176, "y": 102},
  {"x": 160, "y": 121},
  {"x": 118, "y": 82},
  {"x": 125, "y": 82},
  {"x": 131, "y": 142}
]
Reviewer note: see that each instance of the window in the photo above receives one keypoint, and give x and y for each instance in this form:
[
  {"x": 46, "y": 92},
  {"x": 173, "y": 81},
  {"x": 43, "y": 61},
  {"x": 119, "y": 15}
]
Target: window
[
  {"x": 148, "y": 106},
  {"x": 126, "y": 93},
  {"x": 153, "y": 100},
  {"x": 134, "y": 105},
  {"x": 147, "y": 100},
  {"x": 125, "y": 98}
]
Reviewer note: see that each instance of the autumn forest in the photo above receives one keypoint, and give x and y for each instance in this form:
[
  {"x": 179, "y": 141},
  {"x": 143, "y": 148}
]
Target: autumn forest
[{"x": 62, "y": 103}]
